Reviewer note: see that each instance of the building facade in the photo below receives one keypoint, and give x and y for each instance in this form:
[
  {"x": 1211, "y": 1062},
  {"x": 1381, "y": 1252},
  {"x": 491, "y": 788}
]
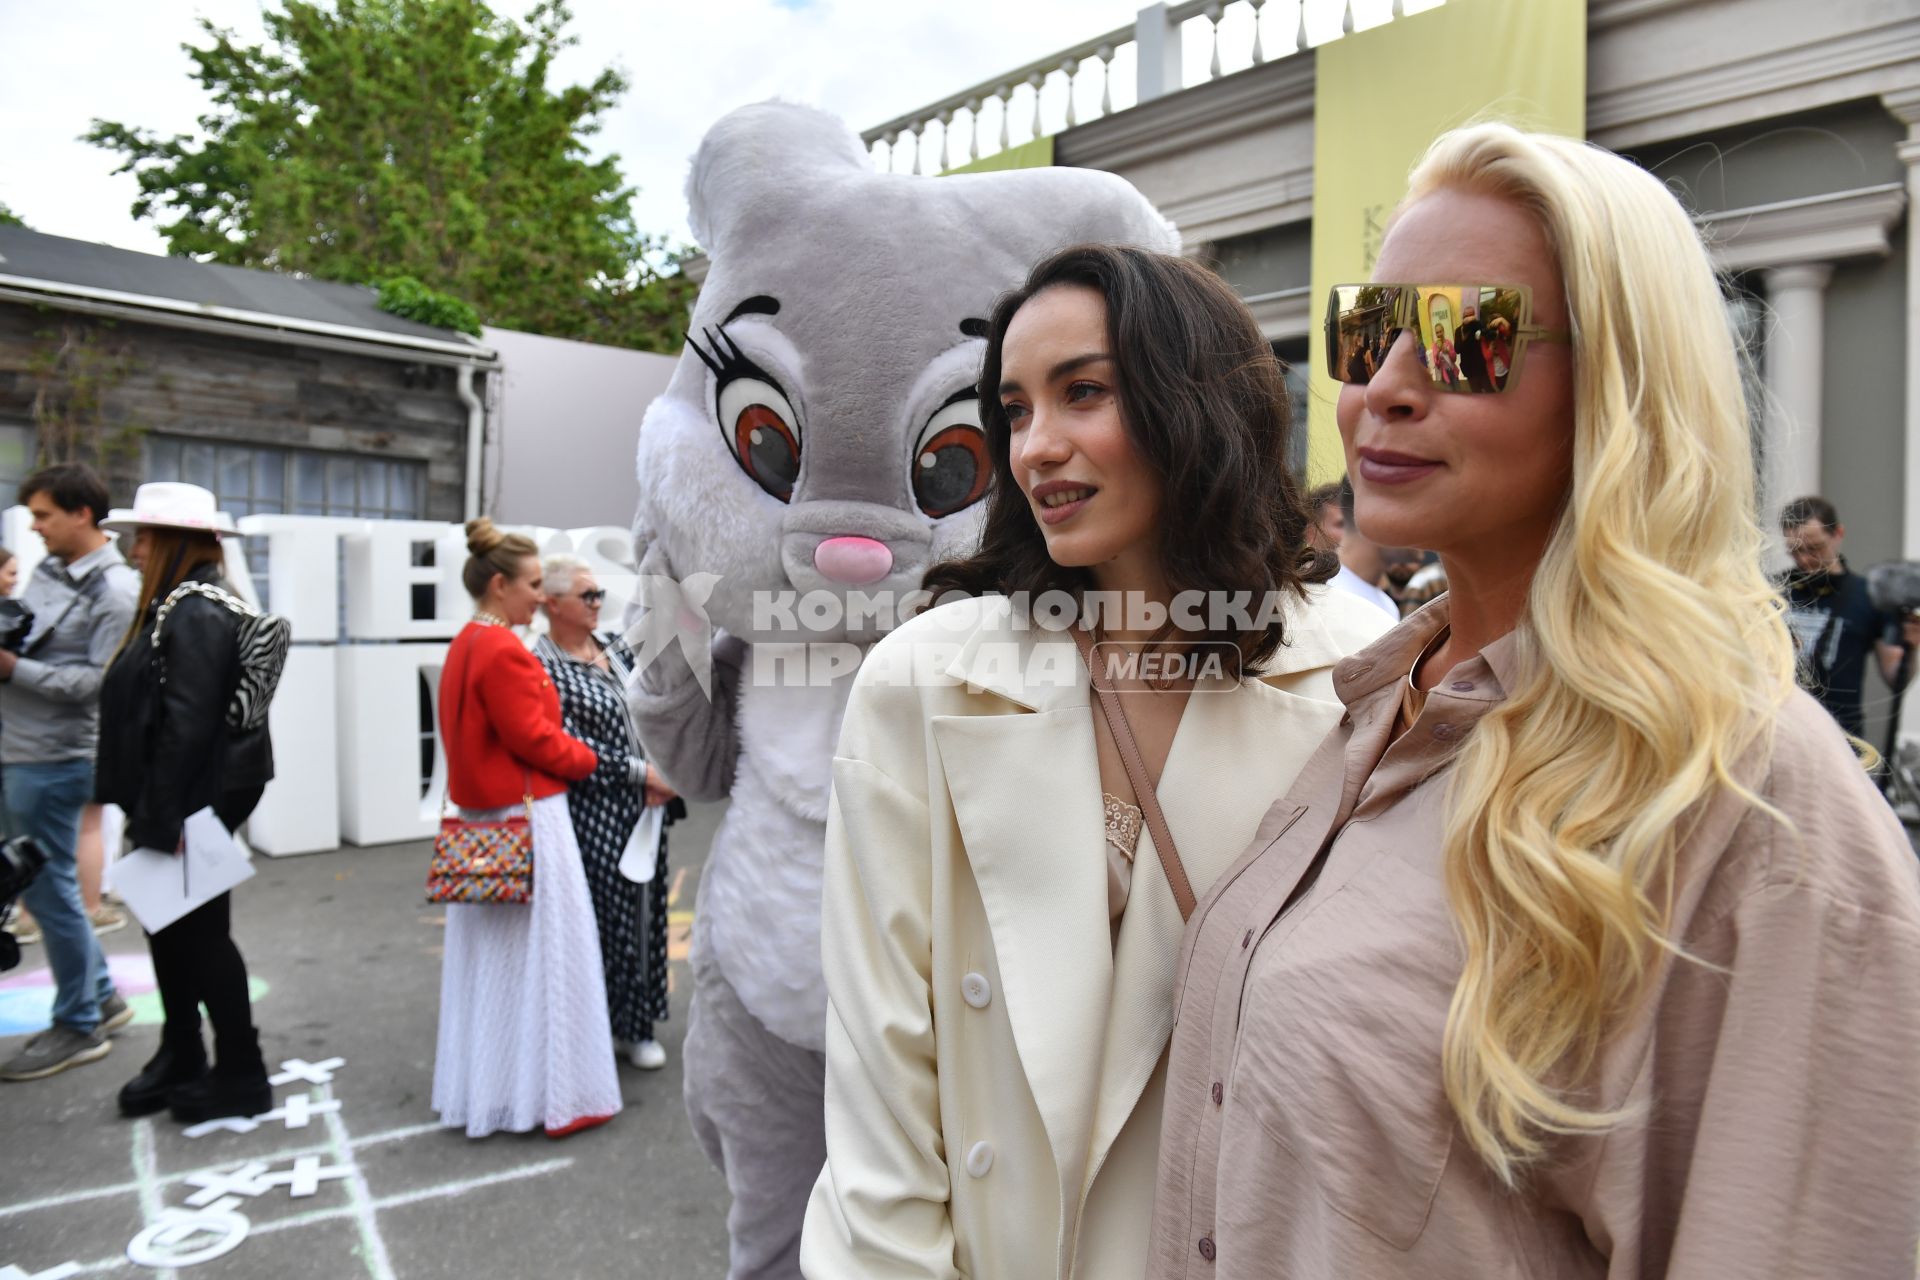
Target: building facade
[
  {"x": 283, "y": 395},
  {"x": 1791, "y": 131}
]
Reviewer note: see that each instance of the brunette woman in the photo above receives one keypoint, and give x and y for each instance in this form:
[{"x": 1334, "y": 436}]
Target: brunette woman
[
  {"x": 1000, "y": 922},
  {"x": 523, "y": 1008},
  {"x": 167, "y": 751},
  {"x": 1584, "y": 947}
]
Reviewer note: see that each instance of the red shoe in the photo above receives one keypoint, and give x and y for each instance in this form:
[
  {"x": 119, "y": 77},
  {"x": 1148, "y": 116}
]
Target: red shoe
[{"x": 584, "y": 1122}]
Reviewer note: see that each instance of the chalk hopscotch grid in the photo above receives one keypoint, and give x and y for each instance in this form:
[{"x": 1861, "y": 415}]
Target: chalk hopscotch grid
[
  {"x": 362, "y": 1205},
  {"x": 150, "y": 1185}
]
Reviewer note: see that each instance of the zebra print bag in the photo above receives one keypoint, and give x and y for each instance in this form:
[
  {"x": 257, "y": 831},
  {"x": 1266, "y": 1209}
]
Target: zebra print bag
[{"x": 262, "y": 640}]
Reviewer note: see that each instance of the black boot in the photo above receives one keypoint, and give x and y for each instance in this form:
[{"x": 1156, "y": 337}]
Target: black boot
[
  {"x": 237, "y": 1085},
  {"x": 220, "y": 1094},
  {"x": 175, "y": 1065}
]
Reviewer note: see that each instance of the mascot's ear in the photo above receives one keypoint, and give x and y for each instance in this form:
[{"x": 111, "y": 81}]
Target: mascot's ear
[{"x": 761, "y": 153}]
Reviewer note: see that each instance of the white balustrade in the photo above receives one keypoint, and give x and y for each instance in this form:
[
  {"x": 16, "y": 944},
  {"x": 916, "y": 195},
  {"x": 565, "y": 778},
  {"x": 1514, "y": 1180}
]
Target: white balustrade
[{"x": 1155, "y": 39}]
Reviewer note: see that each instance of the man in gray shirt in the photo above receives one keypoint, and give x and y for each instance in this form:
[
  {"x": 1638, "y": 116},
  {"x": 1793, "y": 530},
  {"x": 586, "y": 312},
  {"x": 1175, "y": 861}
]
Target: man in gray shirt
[{"x": 82, "y": 598}]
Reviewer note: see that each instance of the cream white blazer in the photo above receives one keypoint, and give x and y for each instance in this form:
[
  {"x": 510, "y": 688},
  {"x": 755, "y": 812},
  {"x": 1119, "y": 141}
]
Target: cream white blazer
[{"x": 995, "y": 1059}]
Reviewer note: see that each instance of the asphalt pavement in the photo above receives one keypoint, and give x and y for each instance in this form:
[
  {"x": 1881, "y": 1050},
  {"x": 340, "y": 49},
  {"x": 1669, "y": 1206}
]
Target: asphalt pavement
[{"x": 344, "y": 954}]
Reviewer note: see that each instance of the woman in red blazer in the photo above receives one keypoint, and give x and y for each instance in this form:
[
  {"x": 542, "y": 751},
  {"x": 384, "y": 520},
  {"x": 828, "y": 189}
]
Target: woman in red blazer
[{"x": 523, "y": 1023}]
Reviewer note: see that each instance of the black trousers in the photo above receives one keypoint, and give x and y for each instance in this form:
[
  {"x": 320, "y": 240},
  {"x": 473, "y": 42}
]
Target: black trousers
[{"x": 195, "y": 962}]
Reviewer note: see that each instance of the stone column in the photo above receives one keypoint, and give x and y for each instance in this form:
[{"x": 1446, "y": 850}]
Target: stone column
[
  {"x": 1795, "y": 360},
  {"x": 1157, "y": 42},
  {"x": 1905, "y": 105}
]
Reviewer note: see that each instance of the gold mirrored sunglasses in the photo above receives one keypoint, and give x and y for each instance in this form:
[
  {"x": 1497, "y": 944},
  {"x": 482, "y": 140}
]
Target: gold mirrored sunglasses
[{"x": 1469, "y": 338}]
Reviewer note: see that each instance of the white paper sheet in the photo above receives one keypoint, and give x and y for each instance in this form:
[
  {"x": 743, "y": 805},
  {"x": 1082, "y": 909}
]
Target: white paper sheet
[
  {"x": 113, "y": 829},
  {"x": 637, "y": 860},
  {"x": 159, "y": 888}
]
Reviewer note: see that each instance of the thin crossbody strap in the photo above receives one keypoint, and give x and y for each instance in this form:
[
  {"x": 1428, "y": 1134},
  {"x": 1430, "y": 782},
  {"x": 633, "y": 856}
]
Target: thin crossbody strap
[{"x": 1116, "y": 717}]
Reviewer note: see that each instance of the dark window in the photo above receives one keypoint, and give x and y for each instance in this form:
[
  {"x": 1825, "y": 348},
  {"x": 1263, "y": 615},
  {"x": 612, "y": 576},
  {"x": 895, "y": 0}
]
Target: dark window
[
  {"x": 257, "y": 479},
  {"x": 18, "y": 449},
  {"x": 429, "y": 735}
]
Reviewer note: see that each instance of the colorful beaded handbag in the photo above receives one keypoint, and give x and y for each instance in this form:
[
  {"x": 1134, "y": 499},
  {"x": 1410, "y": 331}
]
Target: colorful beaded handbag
[{"x": 484, "y": 862}]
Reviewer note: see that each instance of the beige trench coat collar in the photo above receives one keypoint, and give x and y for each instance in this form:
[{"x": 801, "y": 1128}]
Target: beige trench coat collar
[{"x": 1042, "y": 875}]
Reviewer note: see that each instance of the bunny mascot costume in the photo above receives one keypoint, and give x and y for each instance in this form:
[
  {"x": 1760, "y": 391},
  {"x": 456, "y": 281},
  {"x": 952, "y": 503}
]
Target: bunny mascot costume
[{"x": 819, "y": 443}]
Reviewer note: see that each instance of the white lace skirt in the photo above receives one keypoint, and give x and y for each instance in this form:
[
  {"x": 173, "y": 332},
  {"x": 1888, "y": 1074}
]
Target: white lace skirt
[{"x": 524, "y": 1038}]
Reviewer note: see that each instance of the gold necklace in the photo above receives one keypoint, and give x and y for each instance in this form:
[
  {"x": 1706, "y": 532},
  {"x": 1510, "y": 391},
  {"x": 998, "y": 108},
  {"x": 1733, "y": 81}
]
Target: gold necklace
[{"x": 486, "y": 619}]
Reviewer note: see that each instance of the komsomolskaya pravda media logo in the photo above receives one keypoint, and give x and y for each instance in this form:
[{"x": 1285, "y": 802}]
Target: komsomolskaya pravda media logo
[{"x": 672, "y": 615}]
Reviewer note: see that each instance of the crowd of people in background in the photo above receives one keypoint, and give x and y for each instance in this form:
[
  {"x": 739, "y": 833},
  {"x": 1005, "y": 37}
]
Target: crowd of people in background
[
  {"x": 1396, "y": 580},
  {"x": 91, "y": 716},
  {"x": 99, "y": 716}
]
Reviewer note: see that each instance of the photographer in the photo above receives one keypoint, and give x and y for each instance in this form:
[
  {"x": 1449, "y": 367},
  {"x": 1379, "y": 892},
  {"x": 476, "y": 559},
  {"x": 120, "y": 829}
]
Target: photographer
[
  {"x": 81, "y": 599},
  {"x": 1833, "y": 619}
]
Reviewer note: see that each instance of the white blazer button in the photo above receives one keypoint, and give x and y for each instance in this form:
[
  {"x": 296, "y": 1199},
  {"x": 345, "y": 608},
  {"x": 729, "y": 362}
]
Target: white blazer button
[
  {"x": 976, "y": 990},
  {"x": 979, "y": 1159}
]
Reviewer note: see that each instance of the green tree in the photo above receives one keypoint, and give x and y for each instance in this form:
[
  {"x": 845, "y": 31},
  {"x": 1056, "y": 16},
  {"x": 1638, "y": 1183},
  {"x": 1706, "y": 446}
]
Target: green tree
[
  {"x": 372, "y": 139},
  {"x": 8, "y": 218}
]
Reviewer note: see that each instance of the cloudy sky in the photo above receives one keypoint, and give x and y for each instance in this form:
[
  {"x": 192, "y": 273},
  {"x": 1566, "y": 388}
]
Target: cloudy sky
[{"x": 690, "y": 61}]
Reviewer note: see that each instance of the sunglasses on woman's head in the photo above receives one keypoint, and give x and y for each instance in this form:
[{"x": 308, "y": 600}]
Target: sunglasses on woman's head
[{"x": 1468, "y": 337}]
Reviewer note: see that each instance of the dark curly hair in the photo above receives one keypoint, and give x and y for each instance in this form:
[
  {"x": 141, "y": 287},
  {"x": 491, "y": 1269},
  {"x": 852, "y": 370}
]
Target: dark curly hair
[{"x": 1205, "y": 402}]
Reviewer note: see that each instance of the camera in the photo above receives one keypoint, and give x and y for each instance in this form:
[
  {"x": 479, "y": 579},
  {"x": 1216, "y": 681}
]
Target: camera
[
  {"x": 1894, "y": 587},
  {"x": 16, "y": 620},
  {"x": 20, "y": 861}
]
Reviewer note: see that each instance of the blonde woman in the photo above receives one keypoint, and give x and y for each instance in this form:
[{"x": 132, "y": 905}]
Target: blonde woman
[
  {"x": 523, "y": 1005},
  {"x": 1584, "y": 947}
]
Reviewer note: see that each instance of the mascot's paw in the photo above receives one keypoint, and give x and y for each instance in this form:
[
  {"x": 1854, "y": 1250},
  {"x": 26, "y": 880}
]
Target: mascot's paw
[{"x": 672, "y": 636}]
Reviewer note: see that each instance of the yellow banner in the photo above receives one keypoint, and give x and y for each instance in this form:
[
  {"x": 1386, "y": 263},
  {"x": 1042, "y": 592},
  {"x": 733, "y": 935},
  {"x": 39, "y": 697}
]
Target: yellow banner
[
  {"x": 1037, "y": 154},
  {"x": 1382, "y": 96}
]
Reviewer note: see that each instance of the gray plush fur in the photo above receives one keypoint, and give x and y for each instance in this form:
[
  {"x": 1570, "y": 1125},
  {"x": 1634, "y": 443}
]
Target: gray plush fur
[{"x": 874, "y": 274}]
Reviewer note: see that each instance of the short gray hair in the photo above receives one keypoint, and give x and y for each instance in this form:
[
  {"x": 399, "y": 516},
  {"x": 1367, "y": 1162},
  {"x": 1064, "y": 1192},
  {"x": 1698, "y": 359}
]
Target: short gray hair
[{"x": 558, "y": 572}]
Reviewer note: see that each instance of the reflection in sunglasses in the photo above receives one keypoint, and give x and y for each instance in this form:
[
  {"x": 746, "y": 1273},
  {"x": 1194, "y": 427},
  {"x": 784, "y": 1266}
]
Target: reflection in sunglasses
[{"x": 1467, "y": 338}]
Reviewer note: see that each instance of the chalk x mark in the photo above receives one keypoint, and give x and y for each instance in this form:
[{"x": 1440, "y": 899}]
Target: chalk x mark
[{"x": 307, "y": 1072}]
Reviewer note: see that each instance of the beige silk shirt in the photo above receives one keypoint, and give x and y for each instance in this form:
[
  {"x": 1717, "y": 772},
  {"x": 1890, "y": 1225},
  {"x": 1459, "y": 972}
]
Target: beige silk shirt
[{"x": 1307, "y": 1136}]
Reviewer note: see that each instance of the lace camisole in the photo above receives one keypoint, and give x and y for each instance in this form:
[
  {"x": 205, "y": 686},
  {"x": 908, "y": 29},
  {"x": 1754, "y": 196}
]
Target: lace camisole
[{"x": 1123, "y": 838}]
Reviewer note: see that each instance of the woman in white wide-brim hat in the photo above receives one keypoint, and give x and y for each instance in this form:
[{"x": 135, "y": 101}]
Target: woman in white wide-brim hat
[{"x": 166, "y": 751}]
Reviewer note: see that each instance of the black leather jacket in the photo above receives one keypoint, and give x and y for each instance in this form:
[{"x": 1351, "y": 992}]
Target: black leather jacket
[{"x": 164, "y": 755}]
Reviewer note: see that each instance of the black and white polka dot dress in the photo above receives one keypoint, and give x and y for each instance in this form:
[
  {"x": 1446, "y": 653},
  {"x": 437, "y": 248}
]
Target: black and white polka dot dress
[{"x": 605, "y": 806}]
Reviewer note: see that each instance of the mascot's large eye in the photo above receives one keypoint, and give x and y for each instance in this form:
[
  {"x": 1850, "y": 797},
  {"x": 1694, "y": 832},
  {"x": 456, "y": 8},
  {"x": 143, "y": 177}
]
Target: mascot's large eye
[
  {"x": 951, "y": 469},
  {"x": 764, "y": 433}
]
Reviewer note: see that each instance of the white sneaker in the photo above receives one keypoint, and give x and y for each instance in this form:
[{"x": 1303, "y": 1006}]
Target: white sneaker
[{"x": 647, "y": 1055}]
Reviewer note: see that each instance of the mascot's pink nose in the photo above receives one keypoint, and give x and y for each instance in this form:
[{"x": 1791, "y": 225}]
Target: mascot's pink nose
[{"x": 853, "y": 561}]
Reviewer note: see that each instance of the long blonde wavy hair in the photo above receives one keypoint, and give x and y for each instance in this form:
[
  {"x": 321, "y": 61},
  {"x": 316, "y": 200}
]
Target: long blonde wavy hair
[{"x": 1652, "y": 651}]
